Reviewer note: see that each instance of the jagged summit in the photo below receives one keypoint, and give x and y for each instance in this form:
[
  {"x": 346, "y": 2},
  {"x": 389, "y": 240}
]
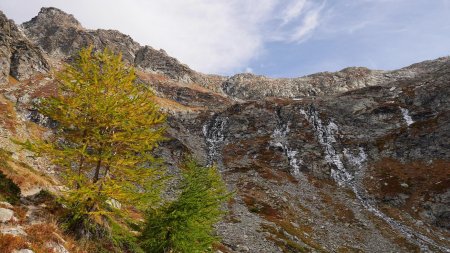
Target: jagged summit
[
  {"x": 50, "y": 16},
  {"x": 60, "y": 35}
]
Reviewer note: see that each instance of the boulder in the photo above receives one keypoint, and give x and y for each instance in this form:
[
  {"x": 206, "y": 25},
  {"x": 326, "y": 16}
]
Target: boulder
[
  {"x": 18, "y": 230},
  {"x": 6, "y": 214},
  {"x": 23, "y": 251}
]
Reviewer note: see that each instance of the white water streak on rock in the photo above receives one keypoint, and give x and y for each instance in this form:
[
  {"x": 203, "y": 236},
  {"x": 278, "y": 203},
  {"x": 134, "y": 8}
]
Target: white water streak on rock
[
  {"x": 325, "y": 134},
  {"x": 356, "y": 160},
  {"x": 280, "y": 139},
  {"x": 406, "y": 116},
  {"x": 214, "y": 137},
  {"x": 326, "y": 137}
]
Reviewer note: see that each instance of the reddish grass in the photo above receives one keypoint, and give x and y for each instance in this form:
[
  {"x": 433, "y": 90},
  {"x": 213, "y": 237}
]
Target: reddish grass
[
  {"x": 43, "y": 232},
  {"x": 9, "y": 243}
]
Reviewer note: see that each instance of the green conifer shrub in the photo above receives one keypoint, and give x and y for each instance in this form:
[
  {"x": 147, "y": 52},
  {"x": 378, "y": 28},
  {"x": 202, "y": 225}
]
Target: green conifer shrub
[{"x": 186, "y": 224}]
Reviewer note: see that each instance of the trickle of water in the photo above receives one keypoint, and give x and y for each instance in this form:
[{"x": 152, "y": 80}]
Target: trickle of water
[
  {"x": 213, "y": 132},
  {"x": 279, "y": 139},
  {"x": 406, "y": 116},
  {"x": 356, "y": 160},
  {"x": 326, "y": 137}
]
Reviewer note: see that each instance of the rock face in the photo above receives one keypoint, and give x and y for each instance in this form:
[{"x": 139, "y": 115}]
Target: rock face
[
  {"x": 250, "y": 86},
  {"x": 383, "y": 148},
  {"x": 352, "y": 161},
  {"x": 60, "y": 35},
  {"x": 151, "y": 60},
  {"x": 19, "y": 58}
]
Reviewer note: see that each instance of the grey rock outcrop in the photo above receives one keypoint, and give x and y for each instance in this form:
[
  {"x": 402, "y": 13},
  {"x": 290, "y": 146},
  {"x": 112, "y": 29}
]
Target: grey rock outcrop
[
  {"x": 18, "y": 57},
  {"x": 23, "y": 251},
  {"x": 151, "y": 60},
  {"x": 252, "y": 87},
  {"x": 15, "y": 230}
]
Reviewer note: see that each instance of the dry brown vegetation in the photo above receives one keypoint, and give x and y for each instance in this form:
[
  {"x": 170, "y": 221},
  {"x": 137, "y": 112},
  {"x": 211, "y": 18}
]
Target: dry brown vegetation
[
  {"x": 12, "y": 80},
  {"x": 22, "y": 174},
  {"x": 43, "y": 236},
  {"x": 8, "y": 116},
  {"x": 9, "y": 243},
  {"x": 43, "y": 232},
  {"x": 390, "y": 177}
]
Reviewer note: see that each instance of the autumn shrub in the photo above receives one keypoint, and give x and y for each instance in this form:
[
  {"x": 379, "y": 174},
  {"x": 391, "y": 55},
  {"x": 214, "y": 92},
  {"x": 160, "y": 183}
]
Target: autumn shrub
[{"x": 106, "y": 129}]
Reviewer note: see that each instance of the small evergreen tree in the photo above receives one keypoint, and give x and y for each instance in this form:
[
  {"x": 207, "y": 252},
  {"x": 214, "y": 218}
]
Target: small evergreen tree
[
  {"x": 186, "y": 224},
  {"x": 106, "y": 128}
]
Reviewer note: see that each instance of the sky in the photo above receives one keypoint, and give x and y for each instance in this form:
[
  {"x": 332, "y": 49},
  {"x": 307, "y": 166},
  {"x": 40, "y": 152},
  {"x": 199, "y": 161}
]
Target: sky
[{"x": 277, "y": 38}]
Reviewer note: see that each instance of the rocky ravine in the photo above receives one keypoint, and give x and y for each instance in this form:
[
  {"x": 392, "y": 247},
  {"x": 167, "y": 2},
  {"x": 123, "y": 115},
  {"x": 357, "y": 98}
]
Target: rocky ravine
[{"x": 352, "y": 161}]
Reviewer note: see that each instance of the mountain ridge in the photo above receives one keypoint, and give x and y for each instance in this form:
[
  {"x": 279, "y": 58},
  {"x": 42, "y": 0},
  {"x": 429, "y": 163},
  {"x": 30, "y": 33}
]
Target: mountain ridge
[
  {"x": 72, "y": 36},
  {"x": 348, "y": 161}
]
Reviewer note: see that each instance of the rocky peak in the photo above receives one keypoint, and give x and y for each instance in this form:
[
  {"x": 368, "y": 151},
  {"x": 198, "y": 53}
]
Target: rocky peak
[
  {"x": 50, "y": 16},
  {"x": 60, "y": 35},
  {"x": 253, "y": 87}
]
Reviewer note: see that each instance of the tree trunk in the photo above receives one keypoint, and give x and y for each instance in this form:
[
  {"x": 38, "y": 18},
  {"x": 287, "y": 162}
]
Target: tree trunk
[
  {"x": 81, "y": 158},
  {"x": 97, "y": 171}
]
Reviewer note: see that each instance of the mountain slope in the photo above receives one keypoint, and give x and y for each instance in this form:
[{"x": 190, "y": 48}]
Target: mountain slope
[{"x": 356, "y": 160}]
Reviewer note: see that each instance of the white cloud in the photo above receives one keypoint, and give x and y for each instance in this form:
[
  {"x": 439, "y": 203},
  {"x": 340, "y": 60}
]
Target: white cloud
[
  {"x": 310, "y": 22},
  {"x": 293, "y": 10},
  {"x": 220, "y": 36},
  {"x": 299, "y": 20}
]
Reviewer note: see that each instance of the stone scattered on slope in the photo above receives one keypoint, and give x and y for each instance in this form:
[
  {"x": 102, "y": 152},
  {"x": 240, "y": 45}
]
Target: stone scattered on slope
[
  {"x": 6, "y": 214},
  {"x": 23, "y": 251},
  {"x": 14, "y": 230}
]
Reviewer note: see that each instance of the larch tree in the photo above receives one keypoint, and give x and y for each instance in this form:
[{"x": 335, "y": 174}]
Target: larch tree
[{"x": 106, "y": 129}]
